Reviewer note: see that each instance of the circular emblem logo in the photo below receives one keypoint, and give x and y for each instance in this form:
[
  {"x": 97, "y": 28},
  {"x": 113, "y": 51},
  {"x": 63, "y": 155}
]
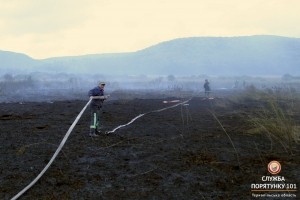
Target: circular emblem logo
[{"x": 274, "y": 167}]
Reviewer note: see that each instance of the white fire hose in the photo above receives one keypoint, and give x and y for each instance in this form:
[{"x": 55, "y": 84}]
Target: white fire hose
[
  {"x": 69, "y": 132},
  {"x": 54, "y": 155}
]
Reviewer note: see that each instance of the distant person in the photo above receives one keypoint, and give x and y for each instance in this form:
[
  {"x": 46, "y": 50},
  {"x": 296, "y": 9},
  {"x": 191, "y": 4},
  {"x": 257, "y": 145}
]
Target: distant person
[
  {"x": 236, "y": 84},
  {"x": 98, "y": 97},
  {"x": 206, "y": 88}
]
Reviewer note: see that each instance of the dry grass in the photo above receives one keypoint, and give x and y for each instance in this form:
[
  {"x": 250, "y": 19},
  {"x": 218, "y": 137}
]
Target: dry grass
[
  {"x": 277, "y": 116},
  {"x": 276, "y": 124},
  {"x": 236, "y": 153}
]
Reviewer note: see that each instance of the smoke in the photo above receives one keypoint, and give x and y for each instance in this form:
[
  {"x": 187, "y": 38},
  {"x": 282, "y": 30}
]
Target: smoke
[{"x": 48, "y": 87}]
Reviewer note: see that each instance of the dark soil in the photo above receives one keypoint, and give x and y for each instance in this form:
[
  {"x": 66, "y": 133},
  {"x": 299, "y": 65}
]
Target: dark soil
[{"x": 179, "y": 153}]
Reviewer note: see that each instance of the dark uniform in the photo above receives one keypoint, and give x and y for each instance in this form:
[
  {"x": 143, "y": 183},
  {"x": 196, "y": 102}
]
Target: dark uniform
[
  {"x": 96, "y": 109},
  {"x": 206, "y": 88}
]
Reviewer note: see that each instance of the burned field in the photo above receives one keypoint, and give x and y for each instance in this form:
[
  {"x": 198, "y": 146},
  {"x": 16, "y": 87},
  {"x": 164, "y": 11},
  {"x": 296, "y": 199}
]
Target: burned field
[{"x": 199, "y": 150}]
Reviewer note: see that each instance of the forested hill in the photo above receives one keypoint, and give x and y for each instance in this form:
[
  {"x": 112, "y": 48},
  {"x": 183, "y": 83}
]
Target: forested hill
[{"x": 247, "y": 55}]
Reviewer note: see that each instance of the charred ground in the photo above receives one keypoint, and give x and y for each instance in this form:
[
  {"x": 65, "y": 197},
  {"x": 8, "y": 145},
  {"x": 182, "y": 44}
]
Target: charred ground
[{"x": 180, "y": 153}]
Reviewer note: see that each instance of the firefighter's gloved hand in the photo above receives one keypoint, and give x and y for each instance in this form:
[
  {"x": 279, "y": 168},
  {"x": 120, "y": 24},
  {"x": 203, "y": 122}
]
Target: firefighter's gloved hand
[{"x": 106, "y": 96}]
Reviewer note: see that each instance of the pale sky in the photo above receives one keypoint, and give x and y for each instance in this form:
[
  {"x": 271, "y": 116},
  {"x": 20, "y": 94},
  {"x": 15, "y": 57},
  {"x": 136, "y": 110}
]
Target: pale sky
[{"x": 52, "y": 28}]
